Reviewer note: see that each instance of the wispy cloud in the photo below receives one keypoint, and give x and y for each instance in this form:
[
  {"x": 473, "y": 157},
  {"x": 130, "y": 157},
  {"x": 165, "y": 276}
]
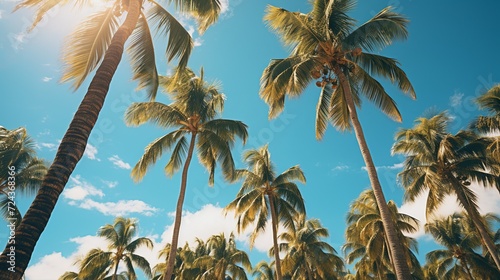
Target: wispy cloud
[
  {"x": 91, "y": 152},
  {"x": 80, "y": 189},
  {"x": 110, "y": 184},
  {"x": 120, "y": 208},
  {"x": 46, "y": 79},
  {"x": 387, "y": 167},
  {"x": 341, "y": 167},
  {"x": 50, "y": 146},
  {"x": 118, "y": 162}
]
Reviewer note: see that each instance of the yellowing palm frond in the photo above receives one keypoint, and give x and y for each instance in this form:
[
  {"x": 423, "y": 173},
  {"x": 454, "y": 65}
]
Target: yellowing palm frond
[
  {"x": 142, "y": 57},
  {"x": 86, "y": 46}
]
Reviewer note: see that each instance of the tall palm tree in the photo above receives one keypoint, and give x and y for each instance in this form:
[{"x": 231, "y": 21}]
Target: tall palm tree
[
  {"x": 264, "y": 194},
  {"x": 23, "y": 171},
  {"x": 194, "y": 111},
  {"x": 103, "y": 264},
  {"x": 98, "y": 44},
  {"x": 459, "y": 260},
  {"x": 307, "y": 255},
  {"x": 329, "y": 49},
  {"x": 223, "y": 260},
  {"x": 446, "y": 164},
  {"x": 366, "y": 240}
]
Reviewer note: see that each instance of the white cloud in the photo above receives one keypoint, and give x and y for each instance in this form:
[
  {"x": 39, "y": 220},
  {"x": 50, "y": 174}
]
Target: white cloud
[
  {"x": 91, "y": 152},
  {"x": 118, "y": 162},
  {"x": 120, "y": 208},
  {"x": 50, "y": 146},
  {"x": 340, "y": 167},
  {"x": 488, "y": 201},
  {"x": 198, "y": 42},
  {"x": 50, "y": 267},
  {"x": 387, "y": 167},
  {"x": 210, "y": 220},
  {"x": 110, "y": 184},
  {"x": 46, "y": 79},
  {"x": 81, "y": 189}
]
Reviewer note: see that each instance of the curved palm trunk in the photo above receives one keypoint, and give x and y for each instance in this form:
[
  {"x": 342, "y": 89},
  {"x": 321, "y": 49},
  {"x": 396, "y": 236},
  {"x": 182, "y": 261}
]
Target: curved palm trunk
[
  {"x": 401, "y": 268},
  {"x": 178, "y": 212},
  {"x": 116, "y": 270},
  {"x": 474, "y": 215},
  {"x": 274, "y": 222},
  {"x": 69, "y": 153}
]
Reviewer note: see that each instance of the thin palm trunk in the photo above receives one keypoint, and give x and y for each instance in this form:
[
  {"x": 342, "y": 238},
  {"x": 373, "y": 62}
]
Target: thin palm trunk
[
  {"x": 69, "y": 153},
  {"x": 274, "y": 223},
  {"x": 400, "y": 264},
  {"x": 474, "y": 215},
  {"x": 116, "y": 270},
  {"x": 178, "y": 212}
]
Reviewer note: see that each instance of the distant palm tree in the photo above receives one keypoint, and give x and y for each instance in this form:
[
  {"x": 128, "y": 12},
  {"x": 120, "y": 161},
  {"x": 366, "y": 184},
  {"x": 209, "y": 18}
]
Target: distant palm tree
[
  {"x": 264, "y": 194},
  {"x": 446, "y": 164},
  {"x": 366, "y": 240},
  {"x": 194, "y": 111},
  {"x": 98, "y": 45},
  {"x": 103, "y": 264},
  {"x": 490, "y": 101},
  {"x": 263, "y": 271},
  {"x": 327, "y": 47},
  {"x": 22, "y": 173},
  {"x": 223, "y": 260},
  {"x": 307, "y": 255},
  {"x": 459, "y": 260}
]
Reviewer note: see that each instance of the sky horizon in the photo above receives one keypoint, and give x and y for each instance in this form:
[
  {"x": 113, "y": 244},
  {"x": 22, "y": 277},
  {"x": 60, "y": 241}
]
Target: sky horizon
[{"x": 449, "y": 57}]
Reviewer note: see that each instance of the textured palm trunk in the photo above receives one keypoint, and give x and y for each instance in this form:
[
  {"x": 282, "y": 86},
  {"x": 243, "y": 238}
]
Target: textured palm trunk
[
  {"x": 475, "y": 216},
  {"x": 178, "y": 212},
  {"x": 69, "y": 153},
  {"x": 400, "y": 263},
  {"x": 274, "y": 222}
]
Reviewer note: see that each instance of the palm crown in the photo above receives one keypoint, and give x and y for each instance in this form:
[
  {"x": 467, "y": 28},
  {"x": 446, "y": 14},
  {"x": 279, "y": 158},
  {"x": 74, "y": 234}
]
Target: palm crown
[
  {"x": 326, "y": 44},
  {"x": 194, "y": 109}
]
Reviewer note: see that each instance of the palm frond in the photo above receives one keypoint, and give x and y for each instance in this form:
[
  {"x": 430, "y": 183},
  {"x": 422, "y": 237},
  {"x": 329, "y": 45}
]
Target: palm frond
[
  {"x": 379, "y": 31},
  {"x": 87, "y": 45},
  {"x": 142, "y": 57},
  {"x": 180, "y": 43},
  {"x": 323, "y": 111},
  {"x": 165, "y": 116}
]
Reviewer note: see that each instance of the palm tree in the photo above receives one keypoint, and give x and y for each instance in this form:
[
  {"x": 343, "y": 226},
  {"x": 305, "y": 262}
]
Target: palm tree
[
  {"x": 490, "y": 101},
  {"x": 446, "y": 164},
  {"x": 223, "y": 260},
  {"x": 307, "y": 255},
  {"x": 459, "y": 260},
  {"x": 263, "y": 271},
  {"x": 98, "y": 43},
  {"x": 327, "y": 48},
  {"x": 23, "y": 171},
  {"x": 196, "y": 104},
  {"x": 102, "y": 264},
  {"x": 263, "y": 193},
  {"x": 366, "y": 240}
]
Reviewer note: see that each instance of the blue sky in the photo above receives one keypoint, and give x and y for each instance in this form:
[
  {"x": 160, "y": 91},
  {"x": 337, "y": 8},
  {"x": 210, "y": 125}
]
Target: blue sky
[{"x": 451, "y": 57}]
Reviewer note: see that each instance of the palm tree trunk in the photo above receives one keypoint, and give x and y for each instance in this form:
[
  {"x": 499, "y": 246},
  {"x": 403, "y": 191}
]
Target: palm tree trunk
[
  {"x": 178, "y": 212},
  {"x": 116, "y": 271},
  {"x": 274, "y": 222},
  {"x": 474, "y": 215},
  {"x": 69, "y": 153},
  {"x": 400, "y": 263}
]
